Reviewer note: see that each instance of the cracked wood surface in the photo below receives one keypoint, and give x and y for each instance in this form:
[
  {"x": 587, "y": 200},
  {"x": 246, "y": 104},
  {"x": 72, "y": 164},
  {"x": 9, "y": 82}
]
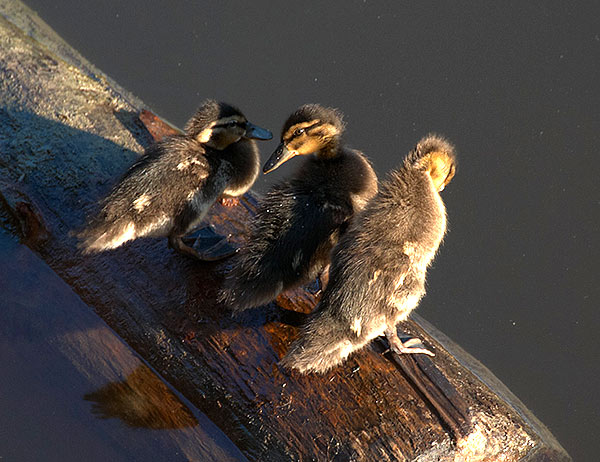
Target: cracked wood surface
[{"x": 65, "y": 137}]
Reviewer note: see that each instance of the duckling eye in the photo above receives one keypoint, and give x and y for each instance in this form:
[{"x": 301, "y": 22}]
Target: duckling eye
[
  {"x": 232, "y": 124},
  {"x": 298, "y": 131}
]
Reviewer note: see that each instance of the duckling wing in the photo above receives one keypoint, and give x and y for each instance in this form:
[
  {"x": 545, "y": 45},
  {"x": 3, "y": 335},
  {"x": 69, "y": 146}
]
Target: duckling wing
[
  {"x": 355, "y": 307},
  {"x": 148, "y": 196},
  {"x": 364, "y": 283},
  {"x": 290, "y": 242}
]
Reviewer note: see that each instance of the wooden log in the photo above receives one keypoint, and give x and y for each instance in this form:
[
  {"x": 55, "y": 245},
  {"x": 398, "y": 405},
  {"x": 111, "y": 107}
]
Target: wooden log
[{"x": 66, "y": 135}]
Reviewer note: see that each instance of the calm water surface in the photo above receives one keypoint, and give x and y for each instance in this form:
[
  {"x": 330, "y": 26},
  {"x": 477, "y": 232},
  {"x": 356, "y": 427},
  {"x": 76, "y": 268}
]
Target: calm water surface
[
  {"x": 71, "y": 390},
  {"x": 514, "y": 85}
]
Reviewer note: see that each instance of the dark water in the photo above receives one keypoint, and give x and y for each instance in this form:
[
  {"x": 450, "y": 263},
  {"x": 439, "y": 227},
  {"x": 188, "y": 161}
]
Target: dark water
[
  {"x": 71, "y": 390},
  {"x": 514, "y": 85}
]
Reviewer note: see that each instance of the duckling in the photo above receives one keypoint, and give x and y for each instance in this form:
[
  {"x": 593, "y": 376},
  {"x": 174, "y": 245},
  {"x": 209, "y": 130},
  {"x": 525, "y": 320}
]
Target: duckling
[
  {"x": 378, "y": 268},
  {"x": 299, "y": 220},
  {"x": 168, "y": 191}
]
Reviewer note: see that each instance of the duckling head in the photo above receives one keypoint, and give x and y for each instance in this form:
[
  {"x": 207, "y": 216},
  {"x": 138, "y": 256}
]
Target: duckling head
[
  {"x": 218, "y": 125},
  {"x": 312, "y": 128},
  {"x": 436, "y": 156}
]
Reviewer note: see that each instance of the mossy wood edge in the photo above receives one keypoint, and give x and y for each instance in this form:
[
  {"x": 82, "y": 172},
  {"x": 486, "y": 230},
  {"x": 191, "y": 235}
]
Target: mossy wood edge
[{"x": 66, "y": 133}]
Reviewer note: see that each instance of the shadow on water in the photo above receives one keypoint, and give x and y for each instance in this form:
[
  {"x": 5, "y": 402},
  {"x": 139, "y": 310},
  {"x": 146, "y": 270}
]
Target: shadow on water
[
  {"x": 141, "y": 400},
  {"x": 52, "y": 349}
]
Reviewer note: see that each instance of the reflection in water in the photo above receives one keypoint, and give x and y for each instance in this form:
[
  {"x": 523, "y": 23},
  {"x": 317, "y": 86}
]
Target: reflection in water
[{"x": 142, "y": 400}]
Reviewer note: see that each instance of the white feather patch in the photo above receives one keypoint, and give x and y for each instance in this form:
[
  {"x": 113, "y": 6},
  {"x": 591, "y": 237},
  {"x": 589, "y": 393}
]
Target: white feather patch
[
  {"x": 376, "y": 328},
  {"x": 375, "y": 277},
  {"x": 156, "y": 227},
  {"x": 410, "y": 249},
  {"x": 188, "y": 163},
  {"x": 127, "y": 234},
  {"x": 141, "y": 202},
  {"x": 356, "y": 326}
]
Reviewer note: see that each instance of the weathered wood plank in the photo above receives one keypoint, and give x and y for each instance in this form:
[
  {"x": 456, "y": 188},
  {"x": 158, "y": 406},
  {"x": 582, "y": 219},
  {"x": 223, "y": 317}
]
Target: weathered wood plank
[{"x": 64, "y": 138}]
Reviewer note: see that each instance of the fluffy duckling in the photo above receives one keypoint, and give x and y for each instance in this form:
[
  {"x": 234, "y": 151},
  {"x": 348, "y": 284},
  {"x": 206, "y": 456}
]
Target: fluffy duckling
[
  {"x": 170, "y": 188},
  {"x": 378, "y": 268},
  {"x": 300, "y": 219}
]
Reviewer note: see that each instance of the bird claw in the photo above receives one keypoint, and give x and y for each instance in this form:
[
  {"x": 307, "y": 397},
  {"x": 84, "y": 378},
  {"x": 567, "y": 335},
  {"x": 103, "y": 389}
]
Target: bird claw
[
  {"x": 177, "y": 244},
  {"x": 410, "y": 345},
  {"x": 403, "y": 349},
  {"x": 320, "y": 284}
]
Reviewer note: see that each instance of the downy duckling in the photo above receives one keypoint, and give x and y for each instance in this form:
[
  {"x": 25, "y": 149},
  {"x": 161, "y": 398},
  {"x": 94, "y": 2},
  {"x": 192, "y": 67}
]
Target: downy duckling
[
  {"x": 300, "y": 219},
  {"x": 168, "y": 191},
  {"x": 378, "y": 268}
]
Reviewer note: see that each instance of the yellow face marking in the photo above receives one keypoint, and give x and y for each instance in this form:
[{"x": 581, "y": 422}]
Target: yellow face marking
[
  {"x": 308, "y": 137},
  {"x": 299, "y": 126},
  {"x": 441, "y": 169},
  {"x": 205, "y": 135},
  {"x": 326, "y": 131},
  {"x": 304, "y": 145}
]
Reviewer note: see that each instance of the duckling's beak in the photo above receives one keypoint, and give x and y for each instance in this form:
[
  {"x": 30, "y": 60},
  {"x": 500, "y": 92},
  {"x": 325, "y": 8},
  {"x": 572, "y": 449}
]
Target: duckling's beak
[
  {"x": 281, "y": 155},
  {"x": 254, "y": 131}
]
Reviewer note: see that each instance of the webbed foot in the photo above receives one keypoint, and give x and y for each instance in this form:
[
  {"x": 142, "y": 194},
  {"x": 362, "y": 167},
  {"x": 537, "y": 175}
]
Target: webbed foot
[
  {"x": 321, "y": 282},
  {"x": 411, "y": 345},
  {"x": 452, "y": 408},
  {"x": 176, "y": 243},
  {"x": 206, "y": 245}
]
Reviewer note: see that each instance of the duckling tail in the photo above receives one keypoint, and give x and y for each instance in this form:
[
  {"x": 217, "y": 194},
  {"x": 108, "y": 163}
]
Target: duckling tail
[
  {"x": 324, "y": 343},
  {"x": 105, "y": 236},
  {"x": 242, "y": 294}
]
